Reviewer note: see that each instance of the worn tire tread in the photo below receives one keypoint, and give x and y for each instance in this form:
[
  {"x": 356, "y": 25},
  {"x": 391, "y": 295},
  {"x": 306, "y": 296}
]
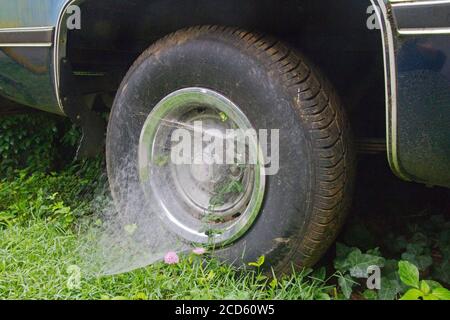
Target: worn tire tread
[{"x": 321, "y": 113}]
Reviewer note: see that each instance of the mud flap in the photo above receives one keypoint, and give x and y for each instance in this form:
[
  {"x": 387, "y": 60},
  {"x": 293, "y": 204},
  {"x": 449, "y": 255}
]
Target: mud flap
[{"x": 91, "y": 123}]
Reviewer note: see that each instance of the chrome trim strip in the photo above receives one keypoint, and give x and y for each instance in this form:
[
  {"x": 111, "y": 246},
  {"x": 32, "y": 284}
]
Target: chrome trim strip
[
  {"x": 26, "y": 45},
  {"x": 9, "y": 43},
  {"x": 26, "y": 29},
  {"x": 423, "y": 31},
  {"x": 412, "y": 3},
  {"x": 391, "y": 84},
  {"x": 420, "y": 31}
]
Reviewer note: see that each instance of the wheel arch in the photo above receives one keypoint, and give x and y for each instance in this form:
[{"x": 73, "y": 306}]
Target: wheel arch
[{"x": 114, "y": 33}]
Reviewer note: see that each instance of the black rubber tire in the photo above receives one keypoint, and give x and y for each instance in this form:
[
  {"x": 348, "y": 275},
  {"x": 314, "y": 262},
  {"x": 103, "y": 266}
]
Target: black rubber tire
[{"x": 277, "y": 88}]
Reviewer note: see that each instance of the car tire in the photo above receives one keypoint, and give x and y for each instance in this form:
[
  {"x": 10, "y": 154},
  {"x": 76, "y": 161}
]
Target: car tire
[{"x": 276, "y": 87}]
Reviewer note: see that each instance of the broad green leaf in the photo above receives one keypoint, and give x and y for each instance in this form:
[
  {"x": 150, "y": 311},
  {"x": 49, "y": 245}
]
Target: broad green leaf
[
  {"x": 374, "y": 252},
  {"x": 442, "y": 293},
  {"x": 415, "y": 248},
  {"x": 322, "y": 296},
  {"x": 423, "y": 262},
  {"x": 346, "y": 284},
  {"x": 358, "y": 263},
  {"x": 441, "y": 272},
  {"x": 433, "y": 284},
  {"x": 409, "y": 274},
  {"x": 342, "y": 251},
  {"x": 390, "y": 269},
  {"x": 370, "y": 295},
  {"x": 413, "y": 294},
  {"x": 424, "y": 287},
  {"x": 430, "y": 297},
  {"x": 390, "y": 288}
]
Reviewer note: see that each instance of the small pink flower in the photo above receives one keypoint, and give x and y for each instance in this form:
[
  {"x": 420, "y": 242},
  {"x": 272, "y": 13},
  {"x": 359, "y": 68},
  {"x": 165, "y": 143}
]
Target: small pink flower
[
  {"x": 199, "y": 251},
  {"x": 171, "y": 258}
]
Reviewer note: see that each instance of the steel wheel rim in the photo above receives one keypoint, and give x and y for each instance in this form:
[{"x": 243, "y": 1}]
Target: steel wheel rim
[{"x": 179, "y": 193}]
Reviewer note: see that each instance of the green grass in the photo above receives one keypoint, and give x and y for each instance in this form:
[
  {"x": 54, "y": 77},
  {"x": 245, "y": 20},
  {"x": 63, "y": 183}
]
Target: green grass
[
  {"x": 43, "y": 243},
  {"x": 43, "y": 249},
  {"x": 36, "y": 259},
  {"x": 44, "y": 199}
]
